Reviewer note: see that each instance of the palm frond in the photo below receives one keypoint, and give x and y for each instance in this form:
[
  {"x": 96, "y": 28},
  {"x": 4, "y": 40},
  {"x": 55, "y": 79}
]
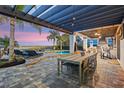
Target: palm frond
[
  {"x": 20, "y": 24},
  {"x": 3, "y": 19},
  {"x": 20, "y": 7},
  {"x": 37, "y": 27}
]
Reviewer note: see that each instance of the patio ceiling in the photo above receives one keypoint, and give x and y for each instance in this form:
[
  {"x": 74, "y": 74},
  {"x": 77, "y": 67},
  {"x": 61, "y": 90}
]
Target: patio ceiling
[
  {"x": 107, "y": 31},
  {"x": 68, "y": 18}
]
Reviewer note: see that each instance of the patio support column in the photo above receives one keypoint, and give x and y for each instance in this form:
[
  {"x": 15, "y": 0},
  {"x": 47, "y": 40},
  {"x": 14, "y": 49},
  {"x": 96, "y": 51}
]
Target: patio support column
[
  {"x": 114, "y": 42},
  {"x": 91, "y": 42},
  {"x": 72, "y": 43},
  {"x": 85, "y": 44}
]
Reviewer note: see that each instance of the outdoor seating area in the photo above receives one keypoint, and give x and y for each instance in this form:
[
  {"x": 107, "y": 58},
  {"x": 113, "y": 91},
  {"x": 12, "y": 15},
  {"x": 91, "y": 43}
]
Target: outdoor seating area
[
  {"x": 62, "y": 46},
  {"x": 47, "y": 75}
]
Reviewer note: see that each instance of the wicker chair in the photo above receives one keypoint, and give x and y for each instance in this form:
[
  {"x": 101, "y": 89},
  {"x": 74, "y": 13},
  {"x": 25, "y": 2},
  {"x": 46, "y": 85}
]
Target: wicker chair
[
  {"x": 89, "y": 67},
  {"x": 105, "y": 53}
]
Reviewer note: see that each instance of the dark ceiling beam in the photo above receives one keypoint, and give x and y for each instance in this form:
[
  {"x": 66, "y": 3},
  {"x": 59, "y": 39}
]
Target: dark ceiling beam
[
  {"x": 40, "y": 10},
  {"x": 97, "y": 15},
  {"x": 81, "y": 22},
  {"x": 99, "y": 22},
  {"x": 29, "y": 9},
  {"x": 6, "y": 10},
  {"x": 94, "y": 12},
  {"x": 66, "y": 12},
  {"x": 95, "y": 25},
  {"x": 56, "y": 11},
  {"x": 91, "y": 22},
  {"x": 101, "y": 19},
  {"x": 84, "y": 14},
  {"x": 44, "y": 11},
  {"x": 71, "y": 14},
  {"x": 14, "y": 8},
  {"x": 99, "y": 25},
  {"x": 59, "y": 12},
  {"x": 111, "y": 16}
]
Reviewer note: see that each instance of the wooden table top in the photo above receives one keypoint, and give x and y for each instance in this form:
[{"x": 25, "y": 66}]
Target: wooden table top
[{"x": 76, "y": 57}]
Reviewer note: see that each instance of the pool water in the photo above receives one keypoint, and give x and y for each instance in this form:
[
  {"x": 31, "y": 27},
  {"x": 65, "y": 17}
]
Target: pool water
[{"x": 63, "y": 52}]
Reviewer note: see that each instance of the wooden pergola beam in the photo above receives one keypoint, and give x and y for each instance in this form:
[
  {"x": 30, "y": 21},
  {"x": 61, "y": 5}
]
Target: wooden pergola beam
[
  {"x": 8, "y": 11},
  {"x": 119, "y": 27}
]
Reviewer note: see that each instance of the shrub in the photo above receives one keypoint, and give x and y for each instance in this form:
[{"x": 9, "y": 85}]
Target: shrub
[{"x": 18, "y": 60}]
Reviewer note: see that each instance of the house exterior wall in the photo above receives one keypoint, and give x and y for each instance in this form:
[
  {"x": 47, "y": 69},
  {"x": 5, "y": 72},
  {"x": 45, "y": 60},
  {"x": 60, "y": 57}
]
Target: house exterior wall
[
  {"x": 122, "y": 53},
  {"x": 120, "y": 45}
]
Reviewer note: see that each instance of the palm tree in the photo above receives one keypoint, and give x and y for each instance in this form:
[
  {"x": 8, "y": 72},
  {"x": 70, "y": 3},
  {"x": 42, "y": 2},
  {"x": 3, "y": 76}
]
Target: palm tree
[
  {"x": 12, "y": 39},
  {"x": 12, "y": 34},
  {"x": 62, "y": 39},
  {"x": 1, "y": 41},
  {"x": 53, "y": 36},
  {"x": 65, "y": 39},
  {"x": 12, "y": 30},
  {"x": 6, "y": 42}
]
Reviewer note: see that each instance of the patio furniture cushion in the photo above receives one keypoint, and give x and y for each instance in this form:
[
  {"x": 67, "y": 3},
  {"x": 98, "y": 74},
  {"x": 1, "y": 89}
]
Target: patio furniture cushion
[{"x": 77, "y": 52}]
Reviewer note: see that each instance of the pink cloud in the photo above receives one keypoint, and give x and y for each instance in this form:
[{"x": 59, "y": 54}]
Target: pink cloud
[
  {"x": 31, "y": 36},
  {"x": 4, "y": 33},
  {"x": 28, "y": 36}
]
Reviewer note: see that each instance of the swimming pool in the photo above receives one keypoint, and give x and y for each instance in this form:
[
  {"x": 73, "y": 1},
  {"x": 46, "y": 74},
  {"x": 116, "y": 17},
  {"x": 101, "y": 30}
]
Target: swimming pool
[{"x": 63, "y": 52}]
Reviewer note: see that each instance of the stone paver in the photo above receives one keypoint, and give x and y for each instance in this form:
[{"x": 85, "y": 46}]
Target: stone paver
[{"x": 44, "y": 75}]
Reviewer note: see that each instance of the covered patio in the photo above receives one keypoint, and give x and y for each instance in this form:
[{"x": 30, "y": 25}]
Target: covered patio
[
  {"x": 44, "y": 75},
  {"x": 88, "y": 22}
]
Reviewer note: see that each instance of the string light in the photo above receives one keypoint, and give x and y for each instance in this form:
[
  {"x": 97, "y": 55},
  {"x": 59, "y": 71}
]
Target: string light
[
  {"x": 74, "y": 18},
  {"x": 72, "y": 24}
]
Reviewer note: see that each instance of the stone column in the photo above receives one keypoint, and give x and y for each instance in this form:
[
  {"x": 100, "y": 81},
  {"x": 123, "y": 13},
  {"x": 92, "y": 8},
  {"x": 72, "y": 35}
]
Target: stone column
[{"x": 72, "y": 43}]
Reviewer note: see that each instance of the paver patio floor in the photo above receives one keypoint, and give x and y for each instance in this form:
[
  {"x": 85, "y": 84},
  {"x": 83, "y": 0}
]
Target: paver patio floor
[{"x": 44, "y": 74}]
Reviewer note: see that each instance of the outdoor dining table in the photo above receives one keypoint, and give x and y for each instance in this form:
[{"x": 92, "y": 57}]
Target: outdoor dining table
[{"x": 74, "y": 59}]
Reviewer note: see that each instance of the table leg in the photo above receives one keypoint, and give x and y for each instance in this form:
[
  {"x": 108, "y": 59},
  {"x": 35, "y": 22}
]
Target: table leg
[
  {"x": 58, "y": 67},
  {"x": 80, "y": 73},
  {"x": 61, "y": 66}
]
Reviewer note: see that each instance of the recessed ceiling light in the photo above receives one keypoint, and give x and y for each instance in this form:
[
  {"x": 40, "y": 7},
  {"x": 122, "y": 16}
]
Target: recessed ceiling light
[
  {"x": 99, "y": 36},
  {"x": 74, "y": 18},
  {"x": 72, "y": 24},
  {"x": 96, "y": 34}
]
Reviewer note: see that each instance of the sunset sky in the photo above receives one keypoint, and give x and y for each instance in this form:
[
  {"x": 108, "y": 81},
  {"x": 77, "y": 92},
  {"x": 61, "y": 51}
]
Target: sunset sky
[{"x": 28, "y": 36}]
